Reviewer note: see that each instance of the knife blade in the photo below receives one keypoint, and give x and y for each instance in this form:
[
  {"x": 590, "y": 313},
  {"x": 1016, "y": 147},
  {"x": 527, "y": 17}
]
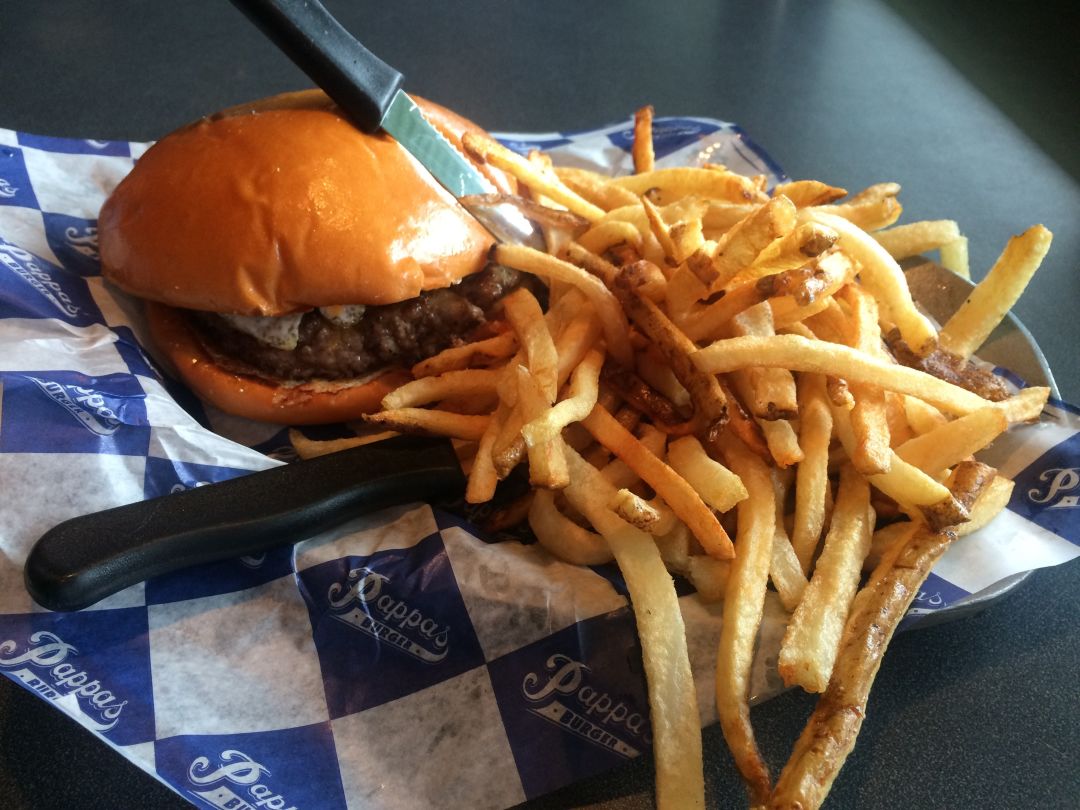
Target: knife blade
[{"x": 365, "y": 88}]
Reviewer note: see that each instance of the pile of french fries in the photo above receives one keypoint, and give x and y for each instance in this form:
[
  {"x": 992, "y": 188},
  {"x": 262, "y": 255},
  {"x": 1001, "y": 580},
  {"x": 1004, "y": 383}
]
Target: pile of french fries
[{"x": 712, "y": 392}]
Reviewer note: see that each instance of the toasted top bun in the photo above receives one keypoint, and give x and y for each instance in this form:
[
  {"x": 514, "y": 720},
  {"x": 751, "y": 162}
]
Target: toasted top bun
[{"x": 283, "y": 205}]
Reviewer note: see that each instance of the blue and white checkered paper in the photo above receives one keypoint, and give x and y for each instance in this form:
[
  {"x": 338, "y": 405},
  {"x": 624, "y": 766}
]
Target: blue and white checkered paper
[{"x": 396, "y": 661}]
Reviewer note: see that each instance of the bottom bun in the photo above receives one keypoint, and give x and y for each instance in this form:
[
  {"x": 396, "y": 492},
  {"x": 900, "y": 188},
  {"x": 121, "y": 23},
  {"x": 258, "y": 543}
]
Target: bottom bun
[{"x": 254, "y": 398}]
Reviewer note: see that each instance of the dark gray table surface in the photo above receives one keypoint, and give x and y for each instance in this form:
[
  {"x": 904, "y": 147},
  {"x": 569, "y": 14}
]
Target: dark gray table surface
[{"x": 970, "y": 106}]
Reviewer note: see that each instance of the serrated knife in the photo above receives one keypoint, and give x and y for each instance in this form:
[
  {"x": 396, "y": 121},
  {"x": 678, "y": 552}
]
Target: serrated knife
[{"x": 369, "y": 92}]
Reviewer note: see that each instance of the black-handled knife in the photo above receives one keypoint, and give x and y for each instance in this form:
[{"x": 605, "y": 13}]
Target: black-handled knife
[
  {"x": 83, "y": 560},
  {"x": 362, "y": 85}
]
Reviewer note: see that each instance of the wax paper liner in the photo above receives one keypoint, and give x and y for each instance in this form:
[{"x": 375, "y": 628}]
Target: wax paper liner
[{"x": 401, "y": 660}]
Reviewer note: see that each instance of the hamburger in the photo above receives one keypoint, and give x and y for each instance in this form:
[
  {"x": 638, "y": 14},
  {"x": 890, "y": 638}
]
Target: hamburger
[{"x": 294, "y": 267}]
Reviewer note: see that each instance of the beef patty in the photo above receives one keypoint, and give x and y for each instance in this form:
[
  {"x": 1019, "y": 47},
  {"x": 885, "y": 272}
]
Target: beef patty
[{"x": 386, "y": 336}]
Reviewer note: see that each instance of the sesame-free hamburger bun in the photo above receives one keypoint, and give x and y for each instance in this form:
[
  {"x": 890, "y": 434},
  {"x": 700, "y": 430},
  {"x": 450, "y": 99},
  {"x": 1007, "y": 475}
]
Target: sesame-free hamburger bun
[{"x": 294, "y": 265}]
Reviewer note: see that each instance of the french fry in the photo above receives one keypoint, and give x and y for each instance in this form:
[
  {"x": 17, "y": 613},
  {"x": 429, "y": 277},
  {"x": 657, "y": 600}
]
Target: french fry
[
  {"x": 422, "y": 420},
  {"x": 807, "y": 241},
  {"x": 954, "y": 256},
  {"x": 742, "y": 245},
  {"x": 614, "y": 323},
  {"x": 987, "y": 506},
  {"x": 525, "y": 316},
  {"x": 718, "y": 486},
  {"x": 904, "y": 483},
  {"x": 547, "y": 465},
  {"x": 985, "y": 307},
  {"x": 1026, "y": 405},
  {"x": 642, "y": 151},
  {"x": 672, "y": 699},
  {"x": 483, "y": 477},
  {"x": 670, "y": 486},
  {"x": 561, "y": 536},
  {"x": 313, "y": 448},
  {"x": 830, "y": 733},
  {"x": 661, "y": 231},
  {"x": 744, "y": 598},
  {"x": 799, "y": 354},
  {"x": 785, "y": 572},
  {"x": 872, "y": 209},
  {"x": 595, "y": 187},
  {"x": 812, "y": 475},
  {"x": 805, "y": 193},
  {"x": 883, "y": 278},
  {"x": 813, "y": 635},
  {"x": 954, "y": 441},
  {"x": 709, "y": 576},
  {"x": 584, "y": 390},
  {"x": 457, "y": 358},
  {"x": 869, "y": 419},
  {"x": 667, "y": 185},
  {"x": 604, "y": 235},
  {"x": 467, "y": 382},
  {"x": 914, "y": 238},
  {"x": 769, "y": 392},
  {"x": 709, "y": 400},
  {"x": 490, "y": 151},
  {"x": 782, "y": 441}
]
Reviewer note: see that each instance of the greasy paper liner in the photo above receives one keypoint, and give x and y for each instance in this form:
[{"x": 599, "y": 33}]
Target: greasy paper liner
[{"x": 357, "y": 668}]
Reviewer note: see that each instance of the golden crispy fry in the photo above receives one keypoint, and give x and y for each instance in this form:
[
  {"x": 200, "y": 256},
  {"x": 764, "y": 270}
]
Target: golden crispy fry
[
  {"x": 742, "y": 245},
  {"x": 808, "y": 241},
  {"x": 985, "y": 307},
  {"x": 710, "y": 403},
  {"x": 990, "y": 503},
  {"x": 615, "y": 326},
  {"x": 670, "y": 486},
  {"x": 869, "y": 418},
  {"x": 483, "y": 477},
  {"x": 1024, "y": 406},
  {"x": 904, "y": 483},
  {"x": 954, "y": 256},
  {"x": 642, "y": 514},
  {"x": 668, "y": 185},
  {"x": 872, "y": 209},
  {"x": 595, "y": 187},
  {"x": 769, "y": 392},
  {"x": 718, "y": 486},
  {"x": 584, "y": 390},
  {"x": 470, "y": 355},
  {"x": 709, "y": 576},
  {"x": 422, "y": 420},
  {"x": 830, "y": 733},
  {"x": 785, "y": 572},
  {"x": 547, "y": 465},
  {"x": 661, "y": 231},
  {"x": 561, "y": 536},
  {"x": 882, "y": 277},
  {"x": 809, "y": 192},
  {"x": 467, "y": 382},
  {"x": 812, "y": 476},
  {"x": 642, "y": 152},
  {"x": 605, "y": 235},
  {"x": 922, "y": 416},
  {"x": 813, "y": 634},
  {"x": 799, "y": 354},
  {"x": 954, "y": 441},
  {"x": 312, "y": 448},
  {"x": 782, "y": 441},
  {"x": 525, "y": 316},
  {"x": 744, "y": 599},
  {"x": 965, "y": 483},
  {"x": 490, "y": 151},
  {"x": 672, "y": 699},
  {"x": 914, "y": 238}
]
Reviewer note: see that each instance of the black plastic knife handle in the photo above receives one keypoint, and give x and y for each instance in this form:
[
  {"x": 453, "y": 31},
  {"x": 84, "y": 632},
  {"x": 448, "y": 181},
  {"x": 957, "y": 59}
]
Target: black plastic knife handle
[
  {"x": 83, "y": 560},
  {"x": 360, "y": 82}
]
